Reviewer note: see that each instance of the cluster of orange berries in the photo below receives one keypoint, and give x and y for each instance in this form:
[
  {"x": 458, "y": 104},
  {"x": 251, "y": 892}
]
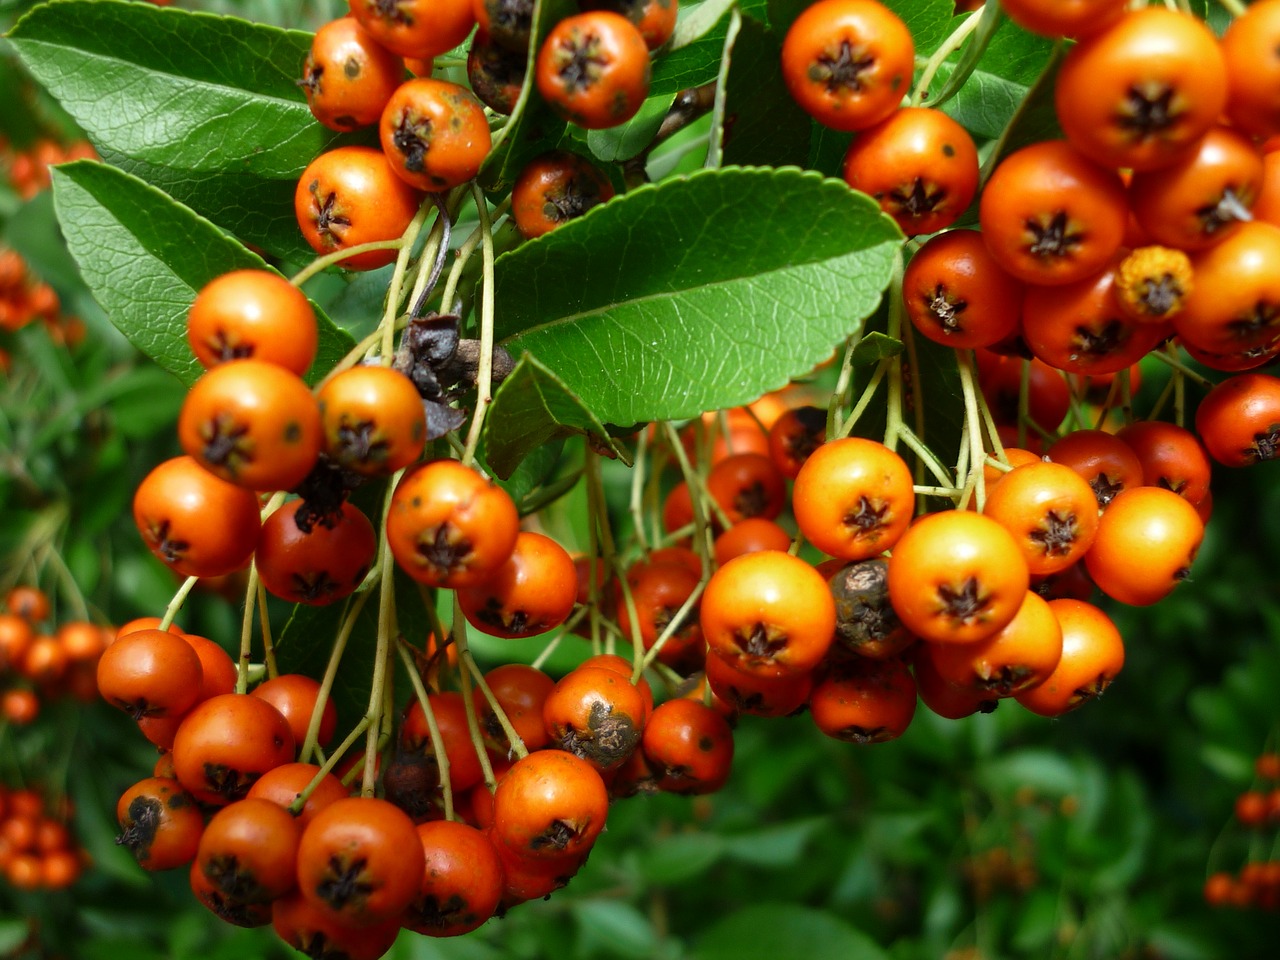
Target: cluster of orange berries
[
  {"x": 37, "y": 849},
  {"x": 27, "y": 171},
  {"x": 37, "y": 663},
  {"x": 1155, "y": 218},
  {"x": 24, "y": 298},
  {"x": 270, "y": 839},
  {"x": 375, "y": 67},
  {"x": 1257, "y": 884}
]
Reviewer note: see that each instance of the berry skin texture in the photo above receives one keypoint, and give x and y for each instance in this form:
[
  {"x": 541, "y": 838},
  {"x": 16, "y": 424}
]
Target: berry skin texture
[
  {"x": 252, "y": 314},
  {"x": 549, "y": 806},
  {"x": 1147, "y": 540},
  {"x": 957, "y": 295},
  {"x": 434, "y": 134},
  {"x": 360, "y": 861},
  {"x": 1092, "y": 656},
  {"x": 593, "y": 69},
  {"x": 554, "y": 188},
  {"x": 449, "y": 527},
  {"x": 1051, "y": 511},
  {"x": 198, "y": 524},
  {"x": 957, "y": 577},
  {"x": 848, "y": 63},
  {"x": 769, "y": 614},
  {"x": 1139, "y": 94},
  {"x": 419, "y": 29},
  {"x": 1051, "y": 216},
  {"x": 853, "y": 498},
  {"x": 1239, "y": 421},
  {"x": 373, "y": 420},
  {"x": 1251, "y": 50},
  {"x": 348, "y": 77},
  {"x": 350, "y": 196},
  {"x": 252, "y": 424},
  {"x": 919, "y": 165}
]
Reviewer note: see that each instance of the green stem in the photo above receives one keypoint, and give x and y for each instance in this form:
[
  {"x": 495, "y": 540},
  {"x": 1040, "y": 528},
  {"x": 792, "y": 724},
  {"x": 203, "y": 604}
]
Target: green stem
[
  {"x": 864, "y": 401},
  {"x": 484, "y": 375},
  {"x": 468, "y": 665},
  {"x": 321, "y": 264},
  {"x": 699, "y": 499},
  {"x": 395, "y": 289},
  {"x": 669, "y": 630},
  {"x": 948, "y": 47},
  {"x": 514, "y": 739},
  {"x": 973, "y": 423},
  {"x": 331, "y": 673},
  {"x": 1234, "y": 7},
  {"x": 246, "y": 631},
  {"x": 433, "y": 729},
  {"x": 327, "y": 767},
  {"x": 382, "y": 650},
  {"x": 175, "y": 604},
  {"x": 264, "y": 624}
]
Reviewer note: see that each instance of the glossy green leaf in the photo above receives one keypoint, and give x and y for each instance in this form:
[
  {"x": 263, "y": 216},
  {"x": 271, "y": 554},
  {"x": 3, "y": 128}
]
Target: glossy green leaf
[
  {"x": 874, "y": 347},
  {"x": 627, "y": 140},
  {"x": 761, "y": 123},
  {"x": 1004, "y": 75},
  {"x": 145, "y": 256},
  {"x": 766, "y": 931},
  {"x": 670, "y": 300},
  {"x": 532, "y": 408},
  {"x": 206, "y": 107}
]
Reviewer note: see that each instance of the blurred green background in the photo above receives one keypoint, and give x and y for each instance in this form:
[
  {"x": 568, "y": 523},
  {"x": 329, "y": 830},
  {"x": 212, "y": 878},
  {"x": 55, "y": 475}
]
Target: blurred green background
[{"x": 1000, "y": 836}]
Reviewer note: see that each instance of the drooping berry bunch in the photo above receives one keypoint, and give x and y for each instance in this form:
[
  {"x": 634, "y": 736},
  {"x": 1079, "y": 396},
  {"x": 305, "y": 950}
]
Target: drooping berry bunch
[{"x": 37, "y": 848}]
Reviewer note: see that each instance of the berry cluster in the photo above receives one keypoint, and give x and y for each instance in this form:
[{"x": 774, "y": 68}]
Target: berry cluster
[
  {"x": 37, "y": 849},
  {"x": 774, "y": 561},
  {"x": 24, "y": 298},
  {"x": 38, "y": 663},
  {"x": 1256, "y": 884},
  {"x": 27, "y": 170}
]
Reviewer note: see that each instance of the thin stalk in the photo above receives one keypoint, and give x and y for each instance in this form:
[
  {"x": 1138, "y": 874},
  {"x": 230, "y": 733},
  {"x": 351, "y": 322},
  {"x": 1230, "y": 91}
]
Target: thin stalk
[
  {"x": 508, "y": 730},
  {"x": 395, "y": 288},
  {"x": 176, "y": 603},
  {"x": 948, "y": 47},
  {"x": 246, "y": 630},
  {"x": 331, "y": 673},
  {"x": 467, "y": 665},
  {"x": 973, "y": 419},
  {"x": 327, "y": 767},
  {"x": 669, "y": 630},
  {"x": 382, "y": 651},
  {"x": 264, "y": 624},
  {"x": 484, "y": 375},
  {"x": 433, "y": 728},
  {"x": 321, "y": 264}
]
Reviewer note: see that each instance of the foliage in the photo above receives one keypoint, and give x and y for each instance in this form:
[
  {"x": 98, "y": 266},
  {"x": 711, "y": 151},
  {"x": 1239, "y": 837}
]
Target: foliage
[{"x": 1001, "y": 835}]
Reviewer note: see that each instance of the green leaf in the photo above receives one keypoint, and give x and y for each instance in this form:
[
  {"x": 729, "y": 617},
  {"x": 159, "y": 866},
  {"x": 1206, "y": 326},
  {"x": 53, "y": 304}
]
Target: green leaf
[
  {"x": 761, "y": 123},
  {"x": 990, "y": 19},
  {"x": 1043, "y": 771},
  {"x": 615, "y": 928},
  {"x": 767, "y": 931},
  {"x": 671, "y": 300},
  {"x": 206, "y": 106},
  {"x": 532, "y": 408},
  {"x": 1038, "y": 923},
  {"x": 680, "y": 856},
  {"x": 776, "y": 846},
  {"x": 874, "y": 347},
  {"x": 145, "y": 257},
  {"x": 627, "y": 140}
]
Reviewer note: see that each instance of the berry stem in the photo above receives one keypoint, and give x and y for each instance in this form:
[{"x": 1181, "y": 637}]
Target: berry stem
[
  {"x": 327, "y": 767},
  {"x": 331, "y": 673},
  {"x": 1234, "y": 7},
  {"x": 468, "y": 667},
  {"x": 973, "y": 429},
  {"x": 395, "y": 290},
  {"x": 264, "y": 623},
  {"x": 484, "y": 374},
  {"x": 603, "y": 545},
  {"x": 320, "y": 264},
  {"x": 700, "y": 502},
  {"x": 246, "y": 630},
  {"x": 949, "y": 46},
  {"x": 670, "y": 629},
  {"x": 508, "y": 730},
  {"x": 382, "y": 652},
  {"x": 175, "y": 604},
  {"x": 636, "y": 503},
  {"x": 433, "y": 728}
]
